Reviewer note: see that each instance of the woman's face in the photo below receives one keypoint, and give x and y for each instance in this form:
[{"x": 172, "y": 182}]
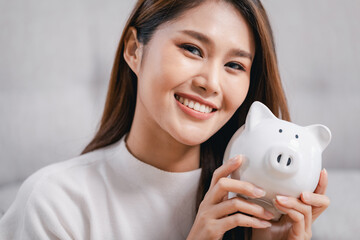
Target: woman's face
[{"x": 195, "y": 73}]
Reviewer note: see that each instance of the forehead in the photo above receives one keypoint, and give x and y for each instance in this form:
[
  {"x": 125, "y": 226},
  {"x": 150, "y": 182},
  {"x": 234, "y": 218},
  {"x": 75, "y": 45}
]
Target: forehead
[{"x": 218, "y": 20}]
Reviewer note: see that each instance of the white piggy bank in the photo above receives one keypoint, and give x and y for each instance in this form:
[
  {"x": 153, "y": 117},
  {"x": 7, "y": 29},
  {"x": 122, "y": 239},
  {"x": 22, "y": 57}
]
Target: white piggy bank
[{"x": 281, "y": 157}]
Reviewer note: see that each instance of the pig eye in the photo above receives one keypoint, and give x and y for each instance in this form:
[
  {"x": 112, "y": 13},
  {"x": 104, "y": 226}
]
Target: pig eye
[
  {"x": 296, "y": 136},
  {"x": 280, "y": 130}
]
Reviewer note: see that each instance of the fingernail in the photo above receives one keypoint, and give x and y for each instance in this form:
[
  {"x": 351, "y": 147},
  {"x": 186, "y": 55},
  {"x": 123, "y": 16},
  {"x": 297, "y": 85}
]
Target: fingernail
[
  {"x": 324, "y": 170},
  {"x": 269, "y": 215},
  {"x": 282, "y": 199},
  {"x": 265, "y": 224},
  {"x": 259, "y": 192},
  {"x": 306, "y": 196},
  {"x": 234, "y": 160}
]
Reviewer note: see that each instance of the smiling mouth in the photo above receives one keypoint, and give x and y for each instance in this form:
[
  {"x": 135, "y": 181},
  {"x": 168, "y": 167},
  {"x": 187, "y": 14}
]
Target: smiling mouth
[{"x": 199, "y": 107}]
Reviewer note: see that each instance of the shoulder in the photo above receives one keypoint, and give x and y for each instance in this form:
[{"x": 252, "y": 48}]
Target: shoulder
[
  {"x": 49, "y": 198},
  {"x": 59, "y": 174}
]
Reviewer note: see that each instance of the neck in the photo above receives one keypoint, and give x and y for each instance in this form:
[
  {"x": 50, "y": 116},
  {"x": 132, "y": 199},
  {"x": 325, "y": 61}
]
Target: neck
[{"x": 160, "y": 149}]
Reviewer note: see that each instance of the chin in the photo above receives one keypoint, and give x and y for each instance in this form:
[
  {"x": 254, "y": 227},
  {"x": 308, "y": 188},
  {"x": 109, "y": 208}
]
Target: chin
[
  {"x": 192, "y": 139},
  {"x": 191, "y": 134}
]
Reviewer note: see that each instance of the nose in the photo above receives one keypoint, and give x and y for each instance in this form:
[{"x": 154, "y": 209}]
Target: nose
[
  {"x": 209, "y": 80},
  {"x": 283, "y": 160}
]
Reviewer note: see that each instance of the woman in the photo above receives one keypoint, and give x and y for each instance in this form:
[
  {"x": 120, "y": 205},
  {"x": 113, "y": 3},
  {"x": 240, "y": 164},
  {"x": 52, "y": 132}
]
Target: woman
[{"x": 184, "y": 77}]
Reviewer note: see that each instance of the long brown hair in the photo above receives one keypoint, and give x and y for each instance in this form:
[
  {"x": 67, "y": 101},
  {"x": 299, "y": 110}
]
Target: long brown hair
[{"x": 265, "y": 83}]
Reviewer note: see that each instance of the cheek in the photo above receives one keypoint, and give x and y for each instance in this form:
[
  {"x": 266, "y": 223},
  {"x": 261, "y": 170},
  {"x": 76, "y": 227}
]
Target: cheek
[
  {"x": 161, "y": 73},
  {"x": 155, "y": 74},
  {"x": 175, "y": 68},
  {"x": 235, "y": 94}
]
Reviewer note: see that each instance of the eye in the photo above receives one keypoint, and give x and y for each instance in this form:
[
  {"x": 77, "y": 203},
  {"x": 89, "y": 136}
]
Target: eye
[
  {"x": 192, "y": 49},
  {"x": 280, "y": 130},
  {"x": 296, "y": 136},
  {"x": 235, "y": 66}
]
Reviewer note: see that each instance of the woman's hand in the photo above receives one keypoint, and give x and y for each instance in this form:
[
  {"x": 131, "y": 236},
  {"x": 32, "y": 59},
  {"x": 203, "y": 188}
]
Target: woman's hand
[
  {"x": 300, "y": 214},
  {"x": 218, "y": 214}
]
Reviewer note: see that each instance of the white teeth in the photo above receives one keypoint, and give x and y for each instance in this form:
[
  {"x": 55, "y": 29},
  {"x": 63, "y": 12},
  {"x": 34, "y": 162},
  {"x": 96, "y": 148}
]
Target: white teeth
[
  {"x": 207, "y": 109},
  {"x": 186, "y": 102},
  {"x": 194, "y": 105},
  {"x": 197, "y": 106},
  {"x": 191, "y": 104}
]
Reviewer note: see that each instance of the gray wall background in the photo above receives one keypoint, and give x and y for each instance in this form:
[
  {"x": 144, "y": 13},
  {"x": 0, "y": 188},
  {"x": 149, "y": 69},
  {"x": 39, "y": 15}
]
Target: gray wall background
[
  {"x": 56, "y": 58},
  {"x": 55, "y": 62},
  {"x": 318, "y": 45}
]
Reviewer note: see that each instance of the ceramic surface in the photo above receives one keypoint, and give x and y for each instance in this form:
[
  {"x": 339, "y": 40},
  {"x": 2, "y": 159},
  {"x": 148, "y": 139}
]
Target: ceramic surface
[{"x": 280, "y": 157}]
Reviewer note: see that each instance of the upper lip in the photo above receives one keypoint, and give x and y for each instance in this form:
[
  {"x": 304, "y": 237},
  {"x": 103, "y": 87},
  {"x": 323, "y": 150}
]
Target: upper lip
[{"x": 197, "y": 99}]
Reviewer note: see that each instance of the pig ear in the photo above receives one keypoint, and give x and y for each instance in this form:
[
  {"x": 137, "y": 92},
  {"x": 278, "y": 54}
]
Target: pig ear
[
  {"x": 257, "y": 112},
  {"x": 322, "y": 134}
]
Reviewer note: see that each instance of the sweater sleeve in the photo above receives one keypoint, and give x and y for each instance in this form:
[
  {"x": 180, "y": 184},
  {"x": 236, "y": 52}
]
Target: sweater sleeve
[{"x": 37, "y": 213}]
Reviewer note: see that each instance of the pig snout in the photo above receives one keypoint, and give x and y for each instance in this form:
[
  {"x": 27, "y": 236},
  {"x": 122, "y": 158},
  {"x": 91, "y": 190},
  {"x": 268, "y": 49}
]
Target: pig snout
[{"x": 283, "y": 160}]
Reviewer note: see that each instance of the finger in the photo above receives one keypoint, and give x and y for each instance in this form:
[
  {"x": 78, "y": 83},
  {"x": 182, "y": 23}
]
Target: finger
[
  {"x": 323, "y": 182},
  {"x": 226, "y": 185},
  {"x": 318, "y": 201},
  {"x": 238, "y": 204},
  {"x": 238, "y": 219},
  {"x": 225, "y": 169},
  {"x": 298, "y": 226},
  {"x": 315, "y": 200},
  {"x": 298, "y": 211}
]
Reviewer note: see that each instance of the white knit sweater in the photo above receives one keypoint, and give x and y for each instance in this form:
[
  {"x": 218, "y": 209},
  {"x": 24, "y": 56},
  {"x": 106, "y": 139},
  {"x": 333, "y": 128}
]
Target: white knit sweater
[{"x": 105, "y": 194}]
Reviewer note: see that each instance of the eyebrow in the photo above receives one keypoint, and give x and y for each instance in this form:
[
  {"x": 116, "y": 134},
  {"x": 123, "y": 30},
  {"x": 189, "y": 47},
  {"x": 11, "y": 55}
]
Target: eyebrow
[{"x": 203, "y": 38}]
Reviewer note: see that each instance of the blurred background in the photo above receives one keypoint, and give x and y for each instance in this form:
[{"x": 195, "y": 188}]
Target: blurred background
[{"x": 56, "y": 59}]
